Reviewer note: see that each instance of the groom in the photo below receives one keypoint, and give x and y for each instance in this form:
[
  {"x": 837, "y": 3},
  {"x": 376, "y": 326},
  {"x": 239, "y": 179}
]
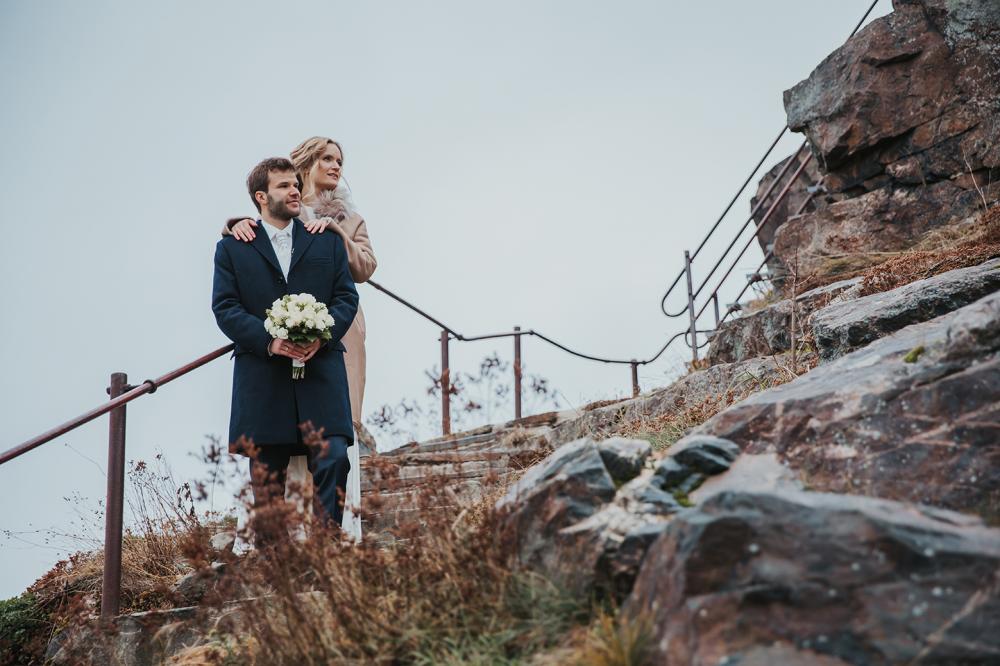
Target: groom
[{"x": 268, "y": 405}]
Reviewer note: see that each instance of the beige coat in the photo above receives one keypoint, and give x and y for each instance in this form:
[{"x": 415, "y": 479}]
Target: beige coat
[{"x": 361, "y": 259}]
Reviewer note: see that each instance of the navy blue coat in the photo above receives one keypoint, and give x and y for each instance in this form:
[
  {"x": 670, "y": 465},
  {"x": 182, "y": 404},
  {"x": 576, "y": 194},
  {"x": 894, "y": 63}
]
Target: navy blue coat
[{"x": 268, "y": 405}]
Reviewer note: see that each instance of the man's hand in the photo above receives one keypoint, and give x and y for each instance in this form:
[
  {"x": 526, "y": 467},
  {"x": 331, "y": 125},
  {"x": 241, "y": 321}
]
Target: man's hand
[
  {"x": 244, "y": 230},
  {"x": 311, "y": 349},
  {"x": 280, "y": 347}
]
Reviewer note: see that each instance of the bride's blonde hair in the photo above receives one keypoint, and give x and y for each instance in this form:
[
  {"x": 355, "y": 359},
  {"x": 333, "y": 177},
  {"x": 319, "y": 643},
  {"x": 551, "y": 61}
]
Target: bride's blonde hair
[{"x": 305, "y": 154}]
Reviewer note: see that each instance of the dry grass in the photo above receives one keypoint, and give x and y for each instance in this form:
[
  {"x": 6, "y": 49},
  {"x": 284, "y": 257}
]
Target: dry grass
[
  {"x": 165, "y": 541},
  {"x": 162, "y": 544},
  {"x": 614, "y": 640},
  {"x": 442, "y": 591},
  {"x": 943, "y": 250},
  {"x": 769, "y": 297},
  {"x": 663, "y": 430}
]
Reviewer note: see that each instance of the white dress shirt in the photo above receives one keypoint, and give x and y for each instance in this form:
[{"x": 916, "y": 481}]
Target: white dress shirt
[{"x": 281, "y": 241}]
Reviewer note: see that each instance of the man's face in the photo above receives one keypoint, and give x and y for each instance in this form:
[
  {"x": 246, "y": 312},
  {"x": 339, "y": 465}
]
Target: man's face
[{"x": 283, "y": 195}]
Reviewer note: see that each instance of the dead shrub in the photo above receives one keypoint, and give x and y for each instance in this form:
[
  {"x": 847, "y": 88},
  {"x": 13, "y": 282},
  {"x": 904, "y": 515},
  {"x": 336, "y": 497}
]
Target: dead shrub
[{"x": 436, "y": 587}]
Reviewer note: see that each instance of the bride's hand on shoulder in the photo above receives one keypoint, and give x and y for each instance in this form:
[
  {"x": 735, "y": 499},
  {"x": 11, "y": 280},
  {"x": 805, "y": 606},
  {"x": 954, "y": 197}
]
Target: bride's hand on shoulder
[
  {"x": 244, "y": 230},
  {"x": 319, "y": 225}
]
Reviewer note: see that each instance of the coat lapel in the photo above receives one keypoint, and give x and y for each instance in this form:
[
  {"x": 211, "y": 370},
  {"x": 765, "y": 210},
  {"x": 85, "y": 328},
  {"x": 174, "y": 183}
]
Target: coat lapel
[
  {"x": 301, "y": 240},
  {"x": 262, "y": 244}
]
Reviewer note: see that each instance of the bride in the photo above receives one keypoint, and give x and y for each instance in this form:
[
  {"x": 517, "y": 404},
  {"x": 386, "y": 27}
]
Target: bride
[{"x": 327, "y": 206}]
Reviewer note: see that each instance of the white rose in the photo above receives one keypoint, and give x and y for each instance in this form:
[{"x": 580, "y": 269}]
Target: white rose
[{"x": 281, "y": 334}]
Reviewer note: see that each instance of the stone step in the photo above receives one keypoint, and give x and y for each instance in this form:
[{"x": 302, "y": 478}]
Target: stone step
[
  {"x": 416, "y": 476},
  {"x": 843, "y": 327}
]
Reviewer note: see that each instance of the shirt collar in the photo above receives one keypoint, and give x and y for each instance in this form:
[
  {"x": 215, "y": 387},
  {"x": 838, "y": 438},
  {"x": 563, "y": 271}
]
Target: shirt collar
[{"x": 273, "y": 231}]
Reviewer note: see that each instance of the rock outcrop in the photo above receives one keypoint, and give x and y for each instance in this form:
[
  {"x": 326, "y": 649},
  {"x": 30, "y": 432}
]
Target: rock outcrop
[
  {"x": 914, "y": 416},
  {"x": 911, "y": 99},
  {"x": 857, "y": 232},
  {"x": 570, "y": 486},
  {"x": 570, "y": 523},
  {"x": 902, "y": 120},
  {"x": 845, "y": 326},
  {"x": 816, "y": 578}
]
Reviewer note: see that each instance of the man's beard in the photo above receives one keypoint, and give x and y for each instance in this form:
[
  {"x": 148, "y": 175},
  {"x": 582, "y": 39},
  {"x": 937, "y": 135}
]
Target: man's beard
[{"x": 278, "y": 209}]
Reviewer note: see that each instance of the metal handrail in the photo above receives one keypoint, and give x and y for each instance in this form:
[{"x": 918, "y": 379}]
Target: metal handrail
[
  {"x": 121, "y": 394},
  {"x": 453, "y": 334},
  {"x": 756, "y": 209},
  {"x": 760, "y": 225},
  {"x": 739, "y": 192},
  {"x": 767, "y": 257},
  {"x": 133, "y": 392},
  {"x": 670, "y": 289}
]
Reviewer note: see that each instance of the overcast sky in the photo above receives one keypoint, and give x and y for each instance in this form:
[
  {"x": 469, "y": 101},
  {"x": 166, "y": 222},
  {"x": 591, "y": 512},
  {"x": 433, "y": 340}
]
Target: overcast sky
[{"x": 541, "y": 164}]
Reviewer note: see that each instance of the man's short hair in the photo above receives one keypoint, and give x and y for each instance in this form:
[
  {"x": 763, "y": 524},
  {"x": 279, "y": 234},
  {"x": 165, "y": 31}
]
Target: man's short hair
[{"x": 257, "y": 181}]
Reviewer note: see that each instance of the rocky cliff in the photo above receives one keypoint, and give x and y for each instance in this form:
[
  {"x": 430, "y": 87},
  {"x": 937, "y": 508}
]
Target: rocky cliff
[
  {"x": 904, "y": 123},
  {"x": 848, "y": 513}
]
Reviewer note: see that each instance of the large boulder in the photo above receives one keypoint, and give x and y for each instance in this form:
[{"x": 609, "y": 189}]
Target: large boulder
[
  {"x": 813, "y": 578},
  {"x": 902, "y": 122},
  {"x": 607, "y": 548},
  {"x": 914, "y": 416},
  {"x": 912, "y": 98},
  {"x": 568, "y": 522},
  {"x": 569, "y": 486},
  {"x": 843, "y": 327}
]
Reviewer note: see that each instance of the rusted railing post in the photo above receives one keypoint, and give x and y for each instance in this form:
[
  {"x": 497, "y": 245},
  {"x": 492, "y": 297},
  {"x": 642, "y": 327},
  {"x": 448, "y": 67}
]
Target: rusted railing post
[
  {"x": 111, "y": 586},
  {"x": 517, "y": 374},
  {"x": 635, "y": 378},
  {"x": 694, "y": 319},
  {"x": 445, "y": 386}
]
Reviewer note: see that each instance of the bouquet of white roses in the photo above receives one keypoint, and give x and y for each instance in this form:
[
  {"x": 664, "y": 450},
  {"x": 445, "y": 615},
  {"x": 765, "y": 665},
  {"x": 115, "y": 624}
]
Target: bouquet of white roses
[{"x": 298, "y": 318}]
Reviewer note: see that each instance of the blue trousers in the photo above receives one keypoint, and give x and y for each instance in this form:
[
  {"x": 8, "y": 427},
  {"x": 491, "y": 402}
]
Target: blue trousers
[{"x": 329, "y": 468}]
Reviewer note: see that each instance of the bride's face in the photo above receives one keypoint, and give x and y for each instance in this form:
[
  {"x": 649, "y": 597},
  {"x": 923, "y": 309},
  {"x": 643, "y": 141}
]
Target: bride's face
[{"x": 325, "y": 172}]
